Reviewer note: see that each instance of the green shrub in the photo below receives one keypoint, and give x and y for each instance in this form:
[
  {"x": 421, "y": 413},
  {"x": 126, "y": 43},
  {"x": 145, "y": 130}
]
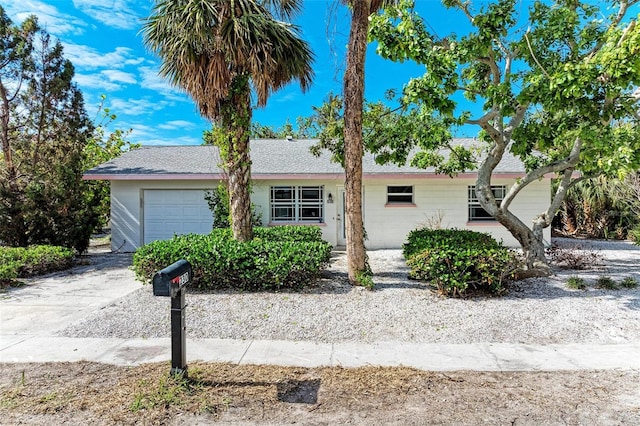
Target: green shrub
[
  {"x": 455, "y": 260},
  {"x": 308, "y": 234},
  {"x": 634, "y": 235},
  {"x": 9, "y": 272},
  {"x": 606, "y": 283},
  {"x": 279, "y": 257},
  {"x": 629, "y": 282},
  {"x": 21, "y": 262},
  {"x": 420, "y": 239},
  {"x": 576, "y": 283}
]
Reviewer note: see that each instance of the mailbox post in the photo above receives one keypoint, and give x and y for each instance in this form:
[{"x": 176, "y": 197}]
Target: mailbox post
[{"x": 171, "y": 282}]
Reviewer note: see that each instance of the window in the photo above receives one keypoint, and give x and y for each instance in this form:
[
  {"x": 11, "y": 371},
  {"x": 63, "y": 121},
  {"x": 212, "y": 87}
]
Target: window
[
  {"x": 476, "y": 212},
  {"x": 397, "y": 194},
  {"x": 297, "y": 204}
]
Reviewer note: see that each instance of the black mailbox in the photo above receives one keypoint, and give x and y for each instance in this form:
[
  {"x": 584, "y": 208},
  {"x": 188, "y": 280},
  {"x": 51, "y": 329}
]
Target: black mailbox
[
  {"x": 171, "y": 282},
  {"x": 171, "y": 279}
]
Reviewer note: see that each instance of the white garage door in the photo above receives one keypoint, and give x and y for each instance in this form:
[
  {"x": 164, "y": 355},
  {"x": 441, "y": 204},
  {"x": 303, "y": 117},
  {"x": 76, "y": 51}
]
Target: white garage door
[{"x": 170, "y": 212}]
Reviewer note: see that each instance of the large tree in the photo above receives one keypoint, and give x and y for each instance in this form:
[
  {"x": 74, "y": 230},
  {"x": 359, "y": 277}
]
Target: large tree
[
  {"x": 219, "y": 51},
  {"x": 559, "y": 90},
  {"x": 353, "y": 93},
  {"x": 44, "y": 130},
  {"x": 16, "y": 64}
]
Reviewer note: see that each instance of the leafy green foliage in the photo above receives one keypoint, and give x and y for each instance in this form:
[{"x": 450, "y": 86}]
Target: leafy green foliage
[
  {"x": 606, "y": 283},
  {"x": 561, "y": 95},
  {"x": 635, "y": 235},
  {"x": 47, "y": 143},
  {"x": 218, "y": 200},
  {"x": 601, "y": 207},
  {"x": 629, "y": 282},
  {"x": 278, "y": 257},
  {"x": 455, "y": 260},
  {"x": 390, "y": 135},
  {"x": 304, "y": 130},
  {"x": 576, "y": 283},
  {"x": 22, "y": 262}
]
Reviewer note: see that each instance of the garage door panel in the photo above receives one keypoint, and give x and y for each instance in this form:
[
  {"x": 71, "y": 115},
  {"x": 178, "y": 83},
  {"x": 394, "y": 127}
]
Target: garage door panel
[
  {"x": 191, "y": 211},
  {"x": 175, "y": 212},
  {"x": 191, "y": 196}
]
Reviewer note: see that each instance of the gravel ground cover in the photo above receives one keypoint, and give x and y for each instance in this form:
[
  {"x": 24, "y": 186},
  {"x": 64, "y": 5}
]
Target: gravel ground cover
[{"x": 535, "y": 311}]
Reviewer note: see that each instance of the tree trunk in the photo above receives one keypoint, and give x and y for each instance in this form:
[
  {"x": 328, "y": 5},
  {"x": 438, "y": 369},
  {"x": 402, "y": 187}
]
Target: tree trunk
[
  {"x": 236, "y": 119},
  {"x": 353, "y": 143},
  {"x": 13, "y": 231},
  {"x": 531, "y": 241},
  {"x": 5, "y": 143}
]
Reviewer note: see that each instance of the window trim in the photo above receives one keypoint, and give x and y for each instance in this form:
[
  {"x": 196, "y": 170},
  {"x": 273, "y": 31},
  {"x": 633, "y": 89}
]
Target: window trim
[
  {"x": 400, "y": 203},
  {"x": 296, "y": 204},
  {"x": 473, "y": 204}
]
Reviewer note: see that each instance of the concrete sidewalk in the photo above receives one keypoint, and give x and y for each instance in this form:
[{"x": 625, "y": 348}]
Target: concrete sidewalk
[
  {"x": 424, "y": 356},
  {"x": 31, "y": 315}
]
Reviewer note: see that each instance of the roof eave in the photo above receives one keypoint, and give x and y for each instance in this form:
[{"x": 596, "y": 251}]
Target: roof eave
[{"x": 290, "y": 176}]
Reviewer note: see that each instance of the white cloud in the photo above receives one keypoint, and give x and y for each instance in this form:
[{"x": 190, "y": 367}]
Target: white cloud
[
  {"x": 286, "y": 98},
  {"x": 119, "y": 76},
  {"x": 136, "y": 106},
  {"x": 182, "y": 140},
  {"x": 177, "y": 124},
  {"x": 148, "y": 135},
  {"x": 49, "y": 17},
  {"x": 134, "y": 61},
  {"x": 96, "y": 81},
  {"x": 89, "y": 58},
  {"x": 113, "y": 13},
  {"x": 152, "y": 81}
]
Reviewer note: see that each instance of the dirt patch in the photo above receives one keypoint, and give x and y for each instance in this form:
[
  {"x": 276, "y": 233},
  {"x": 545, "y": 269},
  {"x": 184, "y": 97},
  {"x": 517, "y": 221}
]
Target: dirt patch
[{"x": 99, "y": 394}]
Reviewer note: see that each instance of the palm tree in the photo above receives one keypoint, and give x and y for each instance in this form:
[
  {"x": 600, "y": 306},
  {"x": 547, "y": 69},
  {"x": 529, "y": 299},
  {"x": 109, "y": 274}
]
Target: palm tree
[
  {"x": 219, "y": 52},
  {"x": 353, "y": 140}
]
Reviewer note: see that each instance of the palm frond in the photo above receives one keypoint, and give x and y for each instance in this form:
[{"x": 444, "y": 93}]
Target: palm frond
[{"x": 205, "y": 44}]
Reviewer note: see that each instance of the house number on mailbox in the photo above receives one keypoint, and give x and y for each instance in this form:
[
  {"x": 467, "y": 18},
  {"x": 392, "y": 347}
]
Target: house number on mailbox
[{"x": 182, "y": 279}]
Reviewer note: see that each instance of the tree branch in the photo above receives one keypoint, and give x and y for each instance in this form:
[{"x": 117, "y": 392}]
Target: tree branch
[
  {"x": 465, "y": 9},
  {"x": 495, "y": 70},
  {"x": 557, "y": 166},
  {"x": 490, "y": 115},
  {"x": 517, "y": 118},
  {"x": 624, "y": 7},
  {"x": 526, "y": 37}
]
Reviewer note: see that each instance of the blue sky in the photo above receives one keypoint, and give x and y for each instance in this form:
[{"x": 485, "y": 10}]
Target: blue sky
[{"x": 102, "y": 40}]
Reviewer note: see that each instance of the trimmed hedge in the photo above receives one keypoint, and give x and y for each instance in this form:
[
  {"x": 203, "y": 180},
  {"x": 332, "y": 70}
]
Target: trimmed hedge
[
  {"x": 278, "y": 257},
  {"x": 22, "y": 262},
  {"x": 455, "y": 260}
]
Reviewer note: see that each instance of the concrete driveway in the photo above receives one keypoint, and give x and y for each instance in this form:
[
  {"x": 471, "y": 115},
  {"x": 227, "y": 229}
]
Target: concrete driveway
[{"x": 49, "y": 303}]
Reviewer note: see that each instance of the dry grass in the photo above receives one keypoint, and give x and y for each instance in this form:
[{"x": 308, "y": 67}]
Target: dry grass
[{"x": 80, "y": 393}]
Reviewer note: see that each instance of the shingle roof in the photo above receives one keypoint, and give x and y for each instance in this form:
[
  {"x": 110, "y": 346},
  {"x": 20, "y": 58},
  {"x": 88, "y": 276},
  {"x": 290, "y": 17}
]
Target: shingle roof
[{"x": 269, "y": 157}]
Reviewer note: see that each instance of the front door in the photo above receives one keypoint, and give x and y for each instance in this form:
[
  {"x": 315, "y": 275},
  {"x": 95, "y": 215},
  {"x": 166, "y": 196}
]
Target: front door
[{"x": 341, "y": 218}]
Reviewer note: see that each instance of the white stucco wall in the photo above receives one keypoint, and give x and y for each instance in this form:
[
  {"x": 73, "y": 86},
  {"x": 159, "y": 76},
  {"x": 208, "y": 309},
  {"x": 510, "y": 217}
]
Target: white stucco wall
[{"x": 387, "y": 226}]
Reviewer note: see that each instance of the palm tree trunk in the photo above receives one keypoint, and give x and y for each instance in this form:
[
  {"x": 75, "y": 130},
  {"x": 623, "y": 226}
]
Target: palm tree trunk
[
  {"x": 353, "y": 143},
  {"x": 236, "y": 119}
]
